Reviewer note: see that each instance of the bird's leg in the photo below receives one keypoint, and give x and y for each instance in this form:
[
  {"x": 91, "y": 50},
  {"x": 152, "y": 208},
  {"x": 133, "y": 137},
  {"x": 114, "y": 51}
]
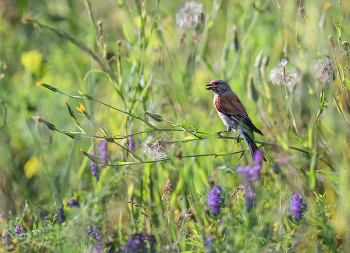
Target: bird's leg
[
  {"x": 228, "y": 130},
  {"x": 238, "y": 140}
]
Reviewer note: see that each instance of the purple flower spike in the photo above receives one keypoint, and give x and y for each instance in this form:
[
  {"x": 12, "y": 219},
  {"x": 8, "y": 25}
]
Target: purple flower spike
[
  {"x": 214, "y": 199},
  {"x": 103, "y": 152},
  {"x": 208, "y": 243},
  {"x": 131, "y": 143},
  {"x": 19, "y": 229},
  {"x": 94, "y": 168},
  {"x": 297, "y": 206},
  {"x": 73, "y": 202}
]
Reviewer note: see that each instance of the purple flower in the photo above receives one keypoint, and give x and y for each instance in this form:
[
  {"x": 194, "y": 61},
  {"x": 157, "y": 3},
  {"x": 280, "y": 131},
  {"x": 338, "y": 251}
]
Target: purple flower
[
  {"x": 214, "y": 199},
  {"x": 98, "y": 248},
  {"x": 1, "y": 215},
  {"x": 249, "y": 196},
  {"x": 42, "y": 213},
  {"x": 136, "y": 243},
  {"x": 94, "y": 168},
  {"x": 131, "y": 143},
  {"x": 208, "y": 243},
  {"x": 252, "y": 173},
  {"x": 103, "y": 152},
  {"x": 96, "y": 235},
  {"x": 152, "y": 243},
  {"x": 297, "y": 206},
  {"x": 19, "y": 229},
  {"x": 73, "y": 202}
]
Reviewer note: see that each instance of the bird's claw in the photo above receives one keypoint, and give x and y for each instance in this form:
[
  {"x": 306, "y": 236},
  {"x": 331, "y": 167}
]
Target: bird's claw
[
  {"x": 238, "y": 140},
  {"x": 219, "y": 133}
]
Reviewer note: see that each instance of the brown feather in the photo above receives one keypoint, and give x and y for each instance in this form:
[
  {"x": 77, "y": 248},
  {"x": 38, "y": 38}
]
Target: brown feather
[{"x": 230, "y": 104}]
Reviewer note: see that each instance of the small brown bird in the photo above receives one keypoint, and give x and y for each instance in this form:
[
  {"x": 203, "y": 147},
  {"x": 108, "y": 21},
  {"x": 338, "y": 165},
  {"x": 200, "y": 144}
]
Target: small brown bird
[{"x": 232, "y": 112}]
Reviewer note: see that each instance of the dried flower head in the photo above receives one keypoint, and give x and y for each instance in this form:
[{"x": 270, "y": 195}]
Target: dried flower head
[
  {"x": 39, "y": 120},
  {"x": 190, "y": 15},
  {"x": 283, "y": 75},
  {"x": 297, "y": 205},
  {"x": 157, "y": 150},
  {"x": 302, "y": 13},
  {"x": 324, "y": 70}
]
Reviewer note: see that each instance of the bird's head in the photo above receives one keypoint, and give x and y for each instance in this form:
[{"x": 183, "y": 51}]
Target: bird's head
[{"x": 218, "y": 86}]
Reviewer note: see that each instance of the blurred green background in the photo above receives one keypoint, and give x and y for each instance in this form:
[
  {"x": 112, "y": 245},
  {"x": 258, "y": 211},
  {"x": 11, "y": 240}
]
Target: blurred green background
[{"x": 160, "y": 67}]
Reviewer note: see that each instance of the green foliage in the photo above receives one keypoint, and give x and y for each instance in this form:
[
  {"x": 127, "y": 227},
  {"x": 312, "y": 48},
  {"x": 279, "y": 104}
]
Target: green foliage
[{"x": 136, "y": 72}]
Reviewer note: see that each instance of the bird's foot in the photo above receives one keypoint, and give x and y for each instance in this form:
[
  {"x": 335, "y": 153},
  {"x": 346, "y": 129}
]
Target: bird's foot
[
  {"x": 219, "y": 133},
  {"x": 238, "y": 140}
]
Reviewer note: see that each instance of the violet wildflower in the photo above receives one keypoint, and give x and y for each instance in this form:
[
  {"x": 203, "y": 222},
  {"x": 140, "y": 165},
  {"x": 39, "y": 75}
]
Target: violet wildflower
[
  {"x": 250, "y": 175},
  {"x": 94, "y": 168},
  {"x": 103, "y": 152},
  {"x": 73, "y": 202},
  {"x": 96, "y": 235},
  {"x": 42, "y": 213},
  {"x": 208, "y": 243},
  {"x": 214, "y": 199},
  {"x": 1, "y": 215},
  {"x": 136, "y": 243},
  {"x": 131, "y": 143},
  {"x": 297, "y": 205},
  {"x": 152, "y": 243},
  {"x": 98, "y": 248},
  {"x": 19, "y": 229}
]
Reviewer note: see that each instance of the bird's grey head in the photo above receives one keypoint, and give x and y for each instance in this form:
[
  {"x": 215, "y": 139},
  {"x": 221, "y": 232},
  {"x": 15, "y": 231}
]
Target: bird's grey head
[{"x": 218, "y": 86}]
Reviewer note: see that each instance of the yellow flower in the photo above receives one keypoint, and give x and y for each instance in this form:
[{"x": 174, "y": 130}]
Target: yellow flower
[
  {"x": 275, "y": 226},
  {"x": 82, "y": 110}
]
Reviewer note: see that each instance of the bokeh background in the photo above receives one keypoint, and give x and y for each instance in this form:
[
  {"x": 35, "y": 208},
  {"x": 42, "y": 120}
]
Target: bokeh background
[{"x": 157, "y": 56}]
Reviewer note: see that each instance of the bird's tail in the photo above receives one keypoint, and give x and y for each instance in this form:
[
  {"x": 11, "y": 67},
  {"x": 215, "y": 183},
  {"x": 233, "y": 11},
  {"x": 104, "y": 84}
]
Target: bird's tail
[{"x": 248, "y": 136}]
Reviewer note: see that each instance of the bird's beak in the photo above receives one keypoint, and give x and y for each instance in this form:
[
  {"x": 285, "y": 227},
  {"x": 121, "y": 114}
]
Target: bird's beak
[{"x": 209, "y": 86}]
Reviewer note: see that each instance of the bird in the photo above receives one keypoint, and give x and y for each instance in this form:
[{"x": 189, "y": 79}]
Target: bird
[{"x": 232, "y": 113}]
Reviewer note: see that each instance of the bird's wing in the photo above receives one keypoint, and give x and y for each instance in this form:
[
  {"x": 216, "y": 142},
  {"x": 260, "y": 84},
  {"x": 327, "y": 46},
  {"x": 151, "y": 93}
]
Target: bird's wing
[{"x": 232, "y": 106}]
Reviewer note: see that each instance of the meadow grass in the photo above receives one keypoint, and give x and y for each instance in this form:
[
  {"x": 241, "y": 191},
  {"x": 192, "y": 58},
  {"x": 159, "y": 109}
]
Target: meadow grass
[{"x": 108, "y": 136}]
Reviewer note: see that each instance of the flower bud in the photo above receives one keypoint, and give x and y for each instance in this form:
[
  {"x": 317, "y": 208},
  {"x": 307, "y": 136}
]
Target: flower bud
[
  {"x": 155, "y": 116},
  {"x": 93, "y": 158},
  {"x": 54, "y": 89}
]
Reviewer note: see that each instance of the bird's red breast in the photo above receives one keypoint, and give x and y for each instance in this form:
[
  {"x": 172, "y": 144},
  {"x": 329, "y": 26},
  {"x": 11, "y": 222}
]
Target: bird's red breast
[{"x": 229, "y": 104}]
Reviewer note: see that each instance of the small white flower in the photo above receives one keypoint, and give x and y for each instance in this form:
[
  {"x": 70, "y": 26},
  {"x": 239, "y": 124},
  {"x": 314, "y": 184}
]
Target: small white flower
[
  {"x": 324, "y": 70},
  {"x": 283, "y": 75},
  {"x": 190, "y": 15}
]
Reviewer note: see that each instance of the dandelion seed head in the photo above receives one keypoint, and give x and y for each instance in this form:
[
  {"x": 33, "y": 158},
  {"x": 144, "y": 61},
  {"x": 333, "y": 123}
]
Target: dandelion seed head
[
  {"x": 283, "y": 75},
  {"x": 190, "y": 15},
  {"x": 157, "y": 150},
  {"x": 324, "y": 70}
]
